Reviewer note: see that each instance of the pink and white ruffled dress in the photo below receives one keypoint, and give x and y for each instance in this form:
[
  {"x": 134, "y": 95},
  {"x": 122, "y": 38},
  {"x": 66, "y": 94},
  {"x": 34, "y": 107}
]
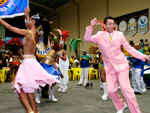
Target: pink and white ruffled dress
[{"x": 31, "y": 75}]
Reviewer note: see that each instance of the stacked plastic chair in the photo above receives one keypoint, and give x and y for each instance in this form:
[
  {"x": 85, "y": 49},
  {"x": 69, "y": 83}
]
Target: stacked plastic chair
[{"x": 3, "y": 75}]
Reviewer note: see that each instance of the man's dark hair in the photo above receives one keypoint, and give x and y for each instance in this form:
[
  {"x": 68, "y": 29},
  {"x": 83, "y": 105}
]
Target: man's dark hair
[
  {"x": 146, "y": 40},
  {"x": 108, "y": 17},
  {"x": 141, "y": 40},
  {"x": 131, "y": 43}
]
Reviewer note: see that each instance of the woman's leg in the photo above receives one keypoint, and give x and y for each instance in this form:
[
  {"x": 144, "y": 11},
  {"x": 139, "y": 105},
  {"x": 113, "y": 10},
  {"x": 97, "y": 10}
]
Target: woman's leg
[
  {"x": 32, "y": 102},
  {"x": 10, "y": 73},
  {"x": 44, "y": 91},
  {"x": 51, "y": 95},
  {"x": 100, "y": 78},
  {"x": 61, "y": 85},
  {"x": 13, "y": 70},
  {"x": 103, "y": 75},
  {"x": 24, "y": 101},
  {"x": 103, "y": 79},
  {"x": 38, "y": 96}
]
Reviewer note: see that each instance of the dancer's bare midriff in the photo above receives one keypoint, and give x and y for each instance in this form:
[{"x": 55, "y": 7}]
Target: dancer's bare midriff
[{"x": 30, "y": 46}]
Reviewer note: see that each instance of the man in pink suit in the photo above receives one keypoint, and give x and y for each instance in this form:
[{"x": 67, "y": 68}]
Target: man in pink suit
[{"x": 115, "y": 63}]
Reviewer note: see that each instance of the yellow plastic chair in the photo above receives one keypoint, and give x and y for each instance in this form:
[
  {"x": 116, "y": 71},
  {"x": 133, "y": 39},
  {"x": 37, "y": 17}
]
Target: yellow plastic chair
[
  {"x": 13, "y": 75},
  {"x": 95, "y": 72},
  {"x": 78, "y": 72},
  {"x": 69, "y": 74},
  {"x": 2, "y": 75},
  {"x": 74, "y": 77},
  {"x": 91, "y": 76},
  {"x": 5, "y": 70}
]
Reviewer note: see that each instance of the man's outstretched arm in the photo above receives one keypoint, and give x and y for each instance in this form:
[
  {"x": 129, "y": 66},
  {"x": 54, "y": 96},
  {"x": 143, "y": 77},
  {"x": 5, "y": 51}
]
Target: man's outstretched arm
[{"x": 89, "y": 30}]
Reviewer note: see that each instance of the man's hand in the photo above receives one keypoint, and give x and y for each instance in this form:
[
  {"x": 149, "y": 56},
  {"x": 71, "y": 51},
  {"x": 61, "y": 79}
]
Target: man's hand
[
  {"x": 82, "y": 58},
  {"x": 93, "y": 22},
  {"x": 147, "y": 57}
]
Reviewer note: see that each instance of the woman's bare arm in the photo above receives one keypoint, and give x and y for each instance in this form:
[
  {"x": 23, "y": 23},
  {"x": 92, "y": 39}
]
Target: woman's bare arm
[
  {"x": 14, "y": 29},
  {"x": 54, "y": 63},
  {"x": 63, "y": 57},
  {"x": 26, "y": 12}
]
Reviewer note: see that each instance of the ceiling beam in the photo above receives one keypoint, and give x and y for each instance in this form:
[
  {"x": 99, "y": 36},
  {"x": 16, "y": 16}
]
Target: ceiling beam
[{"x": 42, "y": 6}]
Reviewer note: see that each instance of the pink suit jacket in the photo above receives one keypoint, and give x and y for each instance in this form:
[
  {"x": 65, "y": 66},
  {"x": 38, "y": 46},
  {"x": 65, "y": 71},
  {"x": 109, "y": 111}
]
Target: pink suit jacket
[{"x": 111, "y": 51}]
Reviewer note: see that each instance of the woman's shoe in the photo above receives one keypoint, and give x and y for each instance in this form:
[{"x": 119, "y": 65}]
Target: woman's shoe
[
  {"x": 53, "y": 99},
  {"x": 32, "y": 112},
  {"x": 37, "y": 100}
]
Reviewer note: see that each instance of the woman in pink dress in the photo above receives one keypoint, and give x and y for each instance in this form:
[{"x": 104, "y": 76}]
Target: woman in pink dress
[{"x": 30, "y": 74}]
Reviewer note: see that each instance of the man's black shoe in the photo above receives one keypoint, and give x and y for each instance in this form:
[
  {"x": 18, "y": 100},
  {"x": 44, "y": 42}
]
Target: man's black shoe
[
  {"x": 138, "y": 93},
  {"x": 45, "y": 96}
]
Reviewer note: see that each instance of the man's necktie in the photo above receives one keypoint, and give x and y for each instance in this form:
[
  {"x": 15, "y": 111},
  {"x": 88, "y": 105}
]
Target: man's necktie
[{"x": 110, "y": 38}]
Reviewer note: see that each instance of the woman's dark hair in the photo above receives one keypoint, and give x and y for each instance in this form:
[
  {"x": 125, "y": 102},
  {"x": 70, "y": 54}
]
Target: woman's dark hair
[
  {"x": 65, "y": 47},
  {"x": 14, "y": 49},
  {"x": 38, "y": 19},
  {"x": 41, "y": 20},
  {"x": 46, "y": 29},
  {"x": 51, "y": 39}
]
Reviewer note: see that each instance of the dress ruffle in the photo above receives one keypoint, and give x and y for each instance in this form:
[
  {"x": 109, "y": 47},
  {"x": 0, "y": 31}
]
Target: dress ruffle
[{"x": 31, "y": 75}]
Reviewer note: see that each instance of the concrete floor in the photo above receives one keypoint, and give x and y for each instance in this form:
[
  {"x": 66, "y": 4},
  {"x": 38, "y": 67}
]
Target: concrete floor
[{"x": 76, "y": 100}]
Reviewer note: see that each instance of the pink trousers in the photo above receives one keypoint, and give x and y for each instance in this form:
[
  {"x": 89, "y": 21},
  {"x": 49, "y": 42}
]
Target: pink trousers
[{"x": 122, "y": 77}]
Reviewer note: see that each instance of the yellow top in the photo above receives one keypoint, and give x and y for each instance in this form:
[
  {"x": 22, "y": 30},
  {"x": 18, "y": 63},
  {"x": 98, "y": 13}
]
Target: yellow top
[
  {"x": 42, "y": 50},
  {"x": 49, "y": 58},
  {"x": 26, "y": 37}
]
